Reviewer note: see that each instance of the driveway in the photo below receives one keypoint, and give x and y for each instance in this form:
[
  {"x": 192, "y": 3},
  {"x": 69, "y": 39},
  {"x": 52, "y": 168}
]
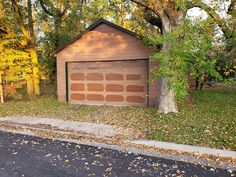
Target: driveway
[{"x": 27, "y": 156}]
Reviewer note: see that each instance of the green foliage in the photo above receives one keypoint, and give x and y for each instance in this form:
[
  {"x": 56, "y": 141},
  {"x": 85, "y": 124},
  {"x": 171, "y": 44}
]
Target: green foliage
[
  {"x": 189, "y": 51},
  {"x": 180, "y": 4}
]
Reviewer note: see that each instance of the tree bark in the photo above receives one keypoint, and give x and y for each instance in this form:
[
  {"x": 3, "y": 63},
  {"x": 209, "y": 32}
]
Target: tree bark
[
  {"x": 34, "y": 77},
  {"x": 57, "y": 23},
  {"x": 166, "y": 98},
  {"x": 1, "y": 90},
  {"x": 32, "y": 51},
  {"x": 30, "y": 86},
  {"x": 30, "y": 18},
  {"x": 35, "y": 71},
  {"x": 197, "y": 83}
]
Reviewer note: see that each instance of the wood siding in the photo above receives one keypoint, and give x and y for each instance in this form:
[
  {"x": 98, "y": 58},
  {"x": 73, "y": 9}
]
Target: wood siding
[{"x": 105, "y": 43}]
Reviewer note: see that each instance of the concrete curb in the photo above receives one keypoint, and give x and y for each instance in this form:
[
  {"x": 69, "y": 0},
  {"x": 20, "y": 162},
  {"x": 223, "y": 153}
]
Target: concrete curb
[
  {"x": 186, "y": 148},
  {"x": 100, "y": 130},
  {"x": 106, "y": 131}
]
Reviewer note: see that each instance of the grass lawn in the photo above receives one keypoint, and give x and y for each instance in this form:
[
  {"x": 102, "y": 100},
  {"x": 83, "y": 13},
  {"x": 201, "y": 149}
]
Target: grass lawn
[{"x": 206, "y": 118}]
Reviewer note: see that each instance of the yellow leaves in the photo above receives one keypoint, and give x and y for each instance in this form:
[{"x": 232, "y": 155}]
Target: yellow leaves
[
  {"x": 66, "y": 161},
  {"x": 227, "y": 73},
  {"x": 23, "y": 42},
  {"x": 12, "y": 58}
]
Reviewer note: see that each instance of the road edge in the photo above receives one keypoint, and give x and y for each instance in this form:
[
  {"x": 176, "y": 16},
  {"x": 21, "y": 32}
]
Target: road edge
[{"x": 135, "y": 150}]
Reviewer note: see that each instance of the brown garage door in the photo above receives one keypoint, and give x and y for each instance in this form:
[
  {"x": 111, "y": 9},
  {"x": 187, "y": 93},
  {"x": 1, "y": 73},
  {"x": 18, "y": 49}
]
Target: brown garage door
[{"x": 109, "y": 83}]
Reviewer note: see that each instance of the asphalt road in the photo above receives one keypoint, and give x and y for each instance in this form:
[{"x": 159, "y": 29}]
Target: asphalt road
[{"x": 29, "y": 156}]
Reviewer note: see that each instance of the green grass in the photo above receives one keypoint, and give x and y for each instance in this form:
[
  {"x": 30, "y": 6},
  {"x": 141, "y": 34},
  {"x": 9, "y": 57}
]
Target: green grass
[{"x": 206, "y": 118}]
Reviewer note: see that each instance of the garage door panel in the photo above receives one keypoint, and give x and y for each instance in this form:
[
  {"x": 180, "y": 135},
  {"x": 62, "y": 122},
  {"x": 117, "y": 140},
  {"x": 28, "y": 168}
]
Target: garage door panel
[
  {"x": 95, "y": 97},
  {"x": 77, "y": 96},
  {"x": 135, "y": 88},
  {"x": 114, "y": 87},
  {"x": 95, "y": 87},
  {"x": 94, "y": 76},
  {"x": 110, "y": 83},
  {"x": 77, "y": 87},
  {"x": 77, "y": 77},
  {"x": 114, "y": 77},
  {"x": 135, "y": 99},
  {"x": 133, "y": 77},
  {"x": 114, "y": 98}
]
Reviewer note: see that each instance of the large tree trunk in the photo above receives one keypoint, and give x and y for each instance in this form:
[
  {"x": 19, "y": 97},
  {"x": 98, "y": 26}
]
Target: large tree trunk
[
  {"x": 35, "y": 69},
  {"x": 30, "y": 18},
  {"x": 30, "y": 80},
  {"x": 1, "y": 90},
  {"x": 34, "y": 78},
  {"x": 167, "y": 99},
  {"x": 30, "y": 85},
  {"x": 58, "y": 24}
]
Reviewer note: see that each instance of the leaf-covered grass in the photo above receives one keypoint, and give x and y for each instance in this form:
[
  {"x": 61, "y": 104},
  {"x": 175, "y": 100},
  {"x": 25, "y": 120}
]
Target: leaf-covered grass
[{"x": 206, "y": 118}]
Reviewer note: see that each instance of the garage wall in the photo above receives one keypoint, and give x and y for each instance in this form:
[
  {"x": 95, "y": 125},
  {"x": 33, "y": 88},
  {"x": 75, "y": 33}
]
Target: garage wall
[
  {"x": 61, "y": 80},
  {"x": 103, "y": 43}
]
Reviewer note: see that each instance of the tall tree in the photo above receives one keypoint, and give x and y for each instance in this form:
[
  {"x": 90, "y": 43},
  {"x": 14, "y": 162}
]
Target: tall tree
[
  {"x": 14, "y": 60},
  {"x": 167, "y": 16},
  {"x": 33, "y": 87},
  {"x": 57, "y": 10},
  {"x": 56, "y": 20}
]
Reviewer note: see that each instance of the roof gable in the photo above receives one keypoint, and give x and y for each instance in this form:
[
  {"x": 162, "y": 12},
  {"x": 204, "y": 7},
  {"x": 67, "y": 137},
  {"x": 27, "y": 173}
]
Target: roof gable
[{"x": 93, "y": 26}]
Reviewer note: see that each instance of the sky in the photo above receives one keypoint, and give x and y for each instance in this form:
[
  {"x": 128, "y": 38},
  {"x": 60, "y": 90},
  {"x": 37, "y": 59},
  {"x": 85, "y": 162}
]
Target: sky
[{"x": 198, "y": 13}]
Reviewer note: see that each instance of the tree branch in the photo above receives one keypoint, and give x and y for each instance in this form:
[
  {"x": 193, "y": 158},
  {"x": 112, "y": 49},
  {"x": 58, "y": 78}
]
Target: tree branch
[
  {"x": 20, "y": 22},
  {"x": 151, "y": 14},
  {"x": 64, "y": 11},
  {"x": 148, "y": 5},
  {"x": 153, "y": 19},
  {"x": 212, "y": 13},
  {"x": 3, "y": 31},
  {"x": 141, "y": 4},
  {"x": 232, "y": 7},
  {"x": 45, "y": 8}
]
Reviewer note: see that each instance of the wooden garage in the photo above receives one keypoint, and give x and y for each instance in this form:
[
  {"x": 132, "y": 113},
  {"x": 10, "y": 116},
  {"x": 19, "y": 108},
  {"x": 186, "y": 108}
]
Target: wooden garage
[{"x": 105, "y": 65}]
